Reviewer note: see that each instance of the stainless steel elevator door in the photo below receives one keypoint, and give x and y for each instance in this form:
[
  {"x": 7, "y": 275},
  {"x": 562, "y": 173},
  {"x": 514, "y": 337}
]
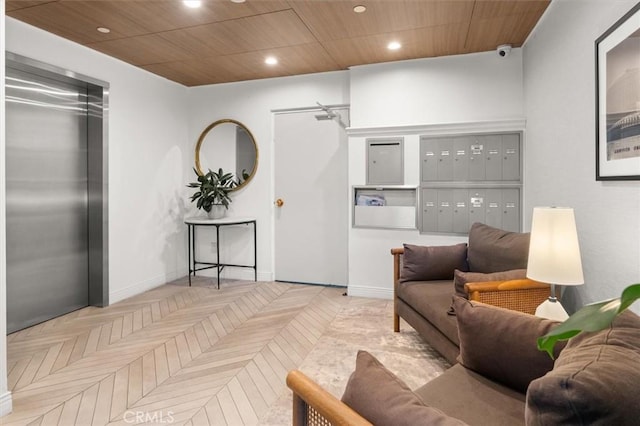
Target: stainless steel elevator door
[{"x": 46, "y": 166}]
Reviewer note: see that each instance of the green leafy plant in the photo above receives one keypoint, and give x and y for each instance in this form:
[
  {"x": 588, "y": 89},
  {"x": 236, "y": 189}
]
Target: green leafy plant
[
  {"x": 213, "y": 188},
  {"x": 594, "y": 317},
  {"x": 243, "y": 177}
]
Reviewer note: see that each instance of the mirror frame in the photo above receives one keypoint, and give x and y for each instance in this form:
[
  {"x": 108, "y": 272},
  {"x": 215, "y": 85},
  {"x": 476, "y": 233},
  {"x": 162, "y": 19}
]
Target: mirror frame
[{"x": 201, "y": 141}]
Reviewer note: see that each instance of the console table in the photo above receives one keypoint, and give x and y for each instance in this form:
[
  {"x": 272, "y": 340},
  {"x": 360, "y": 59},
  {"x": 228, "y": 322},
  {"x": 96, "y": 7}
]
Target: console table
[{"x": 194, "y": 222}]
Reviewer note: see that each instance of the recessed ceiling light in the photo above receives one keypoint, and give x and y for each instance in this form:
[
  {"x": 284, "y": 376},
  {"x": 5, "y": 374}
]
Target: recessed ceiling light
[
  {"x": 394, "y": 45},
  {"x": 360, "y": 8},
  {"x": 192, "y": 3},
  {"x": 270, "y": 60},
  {"x": 103, "y": 30},
  {"x": 238, "y": 1}
]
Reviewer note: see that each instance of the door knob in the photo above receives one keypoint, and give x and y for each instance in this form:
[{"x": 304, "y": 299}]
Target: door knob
[{"x": 279, "y": 202}]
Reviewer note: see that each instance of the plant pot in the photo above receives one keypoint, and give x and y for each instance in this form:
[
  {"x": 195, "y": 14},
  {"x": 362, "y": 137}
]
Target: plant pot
[{"x": 218, "y": 211}]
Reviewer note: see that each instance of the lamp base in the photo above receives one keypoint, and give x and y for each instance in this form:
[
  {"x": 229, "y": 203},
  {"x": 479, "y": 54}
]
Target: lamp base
[{"x": 551, "y": 309}]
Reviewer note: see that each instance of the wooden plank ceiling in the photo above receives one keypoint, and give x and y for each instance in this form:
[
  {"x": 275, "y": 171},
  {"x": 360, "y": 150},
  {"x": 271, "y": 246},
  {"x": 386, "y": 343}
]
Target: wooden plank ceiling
[{"x": 223, "y": 41}]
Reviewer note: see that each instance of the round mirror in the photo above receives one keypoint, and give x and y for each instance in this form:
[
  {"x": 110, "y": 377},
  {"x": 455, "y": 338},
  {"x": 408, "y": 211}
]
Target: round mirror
[{"x": 228, "y": 145}]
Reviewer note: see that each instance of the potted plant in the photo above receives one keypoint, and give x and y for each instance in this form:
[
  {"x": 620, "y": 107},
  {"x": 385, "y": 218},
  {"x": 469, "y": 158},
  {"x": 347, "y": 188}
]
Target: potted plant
[
  {"x": 213, "y": 192},
  {"x": 593, "y": 317}
]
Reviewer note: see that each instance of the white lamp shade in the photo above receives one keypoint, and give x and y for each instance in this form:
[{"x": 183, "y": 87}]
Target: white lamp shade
[{"x": 554, "y": 252}]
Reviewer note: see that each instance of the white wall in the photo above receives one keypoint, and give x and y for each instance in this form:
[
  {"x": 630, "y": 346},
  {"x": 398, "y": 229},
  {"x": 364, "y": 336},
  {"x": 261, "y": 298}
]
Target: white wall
[
  {"x": 559, "y": 84},
  {"x": 478, "y": 92},
  {"x": 5, "y": 395},
  {"x": 147, "y": 141},
  {"x": 251, "y": 103},
  {"x": 450, "y": 89}
]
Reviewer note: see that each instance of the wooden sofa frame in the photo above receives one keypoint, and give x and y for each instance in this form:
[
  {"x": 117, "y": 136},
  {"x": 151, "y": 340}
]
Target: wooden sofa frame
[{"x": 314, "y": 406}]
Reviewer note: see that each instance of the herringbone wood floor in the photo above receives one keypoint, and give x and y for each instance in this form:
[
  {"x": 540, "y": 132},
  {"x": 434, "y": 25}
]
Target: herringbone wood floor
[{"x": 175, "y": 354}]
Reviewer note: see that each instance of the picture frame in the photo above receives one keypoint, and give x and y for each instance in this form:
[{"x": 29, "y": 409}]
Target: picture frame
[{"x": 617, "y": 54}]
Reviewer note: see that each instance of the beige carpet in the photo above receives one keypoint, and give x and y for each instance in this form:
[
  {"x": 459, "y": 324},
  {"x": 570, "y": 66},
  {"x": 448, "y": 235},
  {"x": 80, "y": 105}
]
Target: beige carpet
[{"x": 365, "y": 324}]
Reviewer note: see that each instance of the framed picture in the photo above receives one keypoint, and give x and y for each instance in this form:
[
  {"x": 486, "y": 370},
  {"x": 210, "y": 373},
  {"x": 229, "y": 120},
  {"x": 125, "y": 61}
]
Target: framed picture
[{"x": 618, "y": 100}]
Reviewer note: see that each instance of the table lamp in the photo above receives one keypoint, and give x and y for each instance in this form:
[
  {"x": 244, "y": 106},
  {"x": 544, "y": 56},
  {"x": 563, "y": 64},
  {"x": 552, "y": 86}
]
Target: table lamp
[{"x": 554, "y": 255}]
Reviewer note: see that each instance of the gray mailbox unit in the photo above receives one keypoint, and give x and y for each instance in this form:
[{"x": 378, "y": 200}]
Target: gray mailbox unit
[
  {"x": 470, "y": 178},
  {"x": 385, "y": 161}
]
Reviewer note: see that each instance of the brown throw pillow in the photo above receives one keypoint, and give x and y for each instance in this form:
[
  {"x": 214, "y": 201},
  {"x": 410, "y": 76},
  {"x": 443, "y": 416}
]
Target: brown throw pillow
[
  {"x": 501, "y": 345},
  {"x": 461, "y": 278},
  {"x": 383, "y": 399},
  {"x": 595, "y": 381},
  {"x": 426, "y": 263},
  {"x": 494, "y": 250}
]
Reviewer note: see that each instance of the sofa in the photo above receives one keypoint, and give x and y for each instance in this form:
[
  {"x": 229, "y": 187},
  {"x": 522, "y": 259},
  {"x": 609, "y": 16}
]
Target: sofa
[
  {"x": 501, "y": 379},
  {"x": 491, "y": 268}
]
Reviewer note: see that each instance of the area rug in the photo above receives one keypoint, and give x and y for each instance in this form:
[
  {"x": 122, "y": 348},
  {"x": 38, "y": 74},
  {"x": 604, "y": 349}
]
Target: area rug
[{"x": 365, "y": 324}]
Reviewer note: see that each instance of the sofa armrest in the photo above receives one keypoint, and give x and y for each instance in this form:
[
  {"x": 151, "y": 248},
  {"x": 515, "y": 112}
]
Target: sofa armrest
[
  {"x": 397, "y": 265},
  {"x": 312, "y": 405},
  {"x": 519, "y": 295}
]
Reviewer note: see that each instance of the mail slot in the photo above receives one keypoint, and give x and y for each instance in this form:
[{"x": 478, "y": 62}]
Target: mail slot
[
  {"x": 511, "y": 158},
  {"x": 385, "y": 163}
]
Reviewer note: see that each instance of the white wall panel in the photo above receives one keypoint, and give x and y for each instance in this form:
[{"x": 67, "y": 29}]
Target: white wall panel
[
  {"x": 451, "y": 89},
  {"x": 5, "y": 395},
  {"x": 559, "y": 83}
]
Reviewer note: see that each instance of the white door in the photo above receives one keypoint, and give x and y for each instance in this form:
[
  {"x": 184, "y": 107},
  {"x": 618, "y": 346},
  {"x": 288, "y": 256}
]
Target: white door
[{"x": 311, "y": 228}]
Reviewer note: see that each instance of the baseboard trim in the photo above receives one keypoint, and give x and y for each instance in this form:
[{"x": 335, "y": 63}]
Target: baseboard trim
[
  {"x": 372, "y": 292},
  {"x": 245, "y": 274},
  {"x": 159, "y": 280},
  {"x": 6, "y": 403},
  {"x": 266, "y": 276},
  {"x": 142, "y": 286}
]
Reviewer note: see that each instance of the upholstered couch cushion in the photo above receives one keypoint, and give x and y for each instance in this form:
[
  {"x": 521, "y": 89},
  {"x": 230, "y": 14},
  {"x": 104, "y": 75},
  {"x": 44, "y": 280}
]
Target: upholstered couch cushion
[
  {"x": 473, "y": 398},
  {"x": 383, "y": 399},
  {"x": 494, "y": 250},
  {"x": 460, "y": 278},
  {"x": 431, "y": 299},
  {"x": 595, "y": 380},
  {"x": 426, "y": 263},
  {"x": 501, "y": 345}
]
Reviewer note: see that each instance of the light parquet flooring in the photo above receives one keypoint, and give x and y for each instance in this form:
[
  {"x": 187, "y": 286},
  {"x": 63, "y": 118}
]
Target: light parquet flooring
[{"x": 175, "y": 354}]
